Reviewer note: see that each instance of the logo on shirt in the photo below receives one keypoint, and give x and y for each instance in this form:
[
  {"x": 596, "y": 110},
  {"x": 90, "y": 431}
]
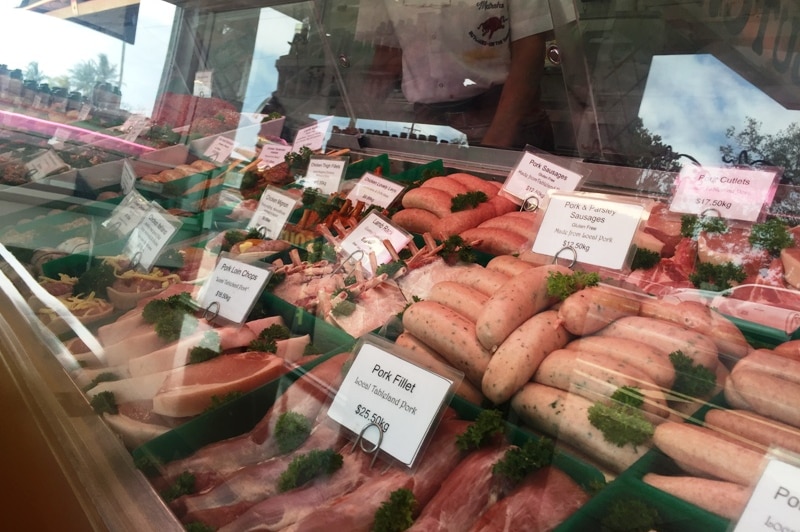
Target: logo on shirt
[{"x": 485, "y": 31}]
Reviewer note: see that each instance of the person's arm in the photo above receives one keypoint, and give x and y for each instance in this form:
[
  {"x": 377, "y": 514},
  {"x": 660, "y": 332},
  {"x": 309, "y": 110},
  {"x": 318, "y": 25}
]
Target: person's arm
[{"x": 520, "y": 91}]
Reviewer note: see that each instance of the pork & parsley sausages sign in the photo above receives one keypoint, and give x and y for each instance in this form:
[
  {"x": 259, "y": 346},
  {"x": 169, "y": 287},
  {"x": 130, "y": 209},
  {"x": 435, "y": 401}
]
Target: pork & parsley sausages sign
[
  {"x": 595, "y": 229},
  {"x": 386, "y": 392}
]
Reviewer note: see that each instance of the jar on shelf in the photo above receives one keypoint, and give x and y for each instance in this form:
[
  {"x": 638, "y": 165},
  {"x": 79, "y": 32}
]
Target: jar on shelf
[
  {"x": 29, "y": 90},
  {"x": 115, "y": 98},
  {"x": 74, "y": 101},
  {"x": 15, "y": 85},
  {"x": 42, "y": 98},
  {"x": 58, "y": 99},
  {"x": 4, "y": 79}
]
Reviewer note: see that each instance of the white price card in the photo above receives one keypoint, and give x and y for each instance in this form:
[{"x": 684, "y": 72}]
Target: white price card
[
  {"x": 45, "y": 164},
  {"x": 597, "y": 230},
  {"x": 203, "y": 83},
  {"x": 273, "y": 154},
  {"x": 368, "y": 236},
  {"x": 382, "y": 390},
  {"x": 220, "y": 149},
  {"x": 274, "y": 209},
  {"x": 133, "y": 127},
  {"x": 325, "y": 174},
  {"x": 232, "y": 289},
  {"x": 534, "y": 177},
  {"x": 83, "y": 114},
  {"x": 149, "y": 238},
  {"x": 775, "y": 501},
  {"x": 375, "y": 190},
  {"x": 732, "y": 193},
  {"x": 128, "y": 214},
  {"x": 128, "y": 178},
  {"x": 313, "y": 136},
  {"x": 60, "y": 136}
]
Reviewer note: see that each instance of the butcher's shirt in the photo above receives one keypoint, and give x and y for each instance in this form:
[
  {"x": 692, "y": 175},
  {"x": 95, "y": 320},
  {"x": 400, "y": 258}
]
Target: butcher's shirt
[{"x": 452, "y": 49}]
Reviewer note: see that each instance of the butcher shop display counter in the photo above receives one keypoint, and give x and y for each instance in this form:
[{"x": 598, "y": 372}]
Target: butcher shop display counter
[{"x": 251, "y": 278}]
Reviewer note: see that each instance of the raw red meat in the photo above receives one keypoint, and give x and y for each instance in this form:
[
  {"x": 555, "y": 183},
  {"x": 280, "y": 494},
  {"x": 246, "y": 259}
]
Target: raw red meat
[
  {"x": 539, "y": 503},
  {"x": 211, "y": 464},
  {"x": 464, "y": 495}
]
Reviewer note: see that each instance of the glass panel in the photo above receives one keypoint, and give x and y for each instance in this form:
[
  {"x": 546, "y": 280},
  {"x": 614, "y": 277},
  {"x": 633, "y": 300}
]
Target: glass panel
[{"x": 658, "y": 84}]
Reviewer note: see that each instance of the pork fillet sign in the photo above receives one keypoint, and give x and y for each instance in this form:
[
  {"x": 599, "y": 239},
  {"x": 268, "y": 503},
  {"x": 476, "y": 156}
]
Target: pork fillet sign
[
  {"x": 775, "y": 502},
  {"x": 382, "y": 390}
]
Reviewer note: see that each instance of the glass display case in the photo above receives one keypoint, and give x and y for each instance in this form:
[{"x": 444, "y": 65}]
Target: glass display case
[{"x": 180, "y": 186}]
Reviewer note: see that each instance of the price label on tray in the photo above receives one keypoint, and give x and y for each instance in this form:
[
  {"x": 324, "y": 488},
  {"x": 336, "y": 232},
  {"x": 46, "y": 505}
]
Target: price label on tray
[
  {"x": 150, "y": 236},
  {"x": 45, "y": 164},
  {"x": 588, "y": 228},
  {"x": 325, "y": 174},
  {"x": 232, "y": 289},
  {"x": 313, "y": 136},
  {"x": 534, "y": 177},
  {"x": 220, "y": 149},
  {"x": 732, "y": 193},
  {"x": 375, "y": 190},
  {"x": 128, "y": 214},
  {"x": 274, "y": 209},
  {"x": 369, "y": 236},
  {"x": 273, "y": 154},
  {"x": 383, "y": 393},
  {"x": 133, "y": 127},
  {"x": 128, "y": 178},
  {"x": 775, "y": 502}
]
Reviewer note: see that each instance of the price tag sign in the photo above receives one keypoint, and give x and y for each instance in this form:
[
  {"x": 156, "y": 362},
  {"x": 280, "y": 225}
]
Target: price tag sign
[
  {"x": 732, "y": 193},
  {"x": 60, "y": 136},
  {"x": 83, "y": 114},
  {"x": 274, "y": 208},
  {"x": 220, "y": 149},
  {"x": 45, "y": 164},
  {"x": 128, "y": 214},
  {"x": 599, "y": 230},
  {"x": 313, "y": 136},
  {"x": 128, "y": 178},
  {"x": 534, "y": 177},
  {"x": 389, "y": 392},
  {"x": 133, "y": 127},
  {"x": 149, "y": 238},
  {"x": 368, "y": 236},
  {"x": 203, "y": 83},
  {"x": 375, "y": 190},
  {"x": 233, "y": 288},
  {"x": 273, "y": 154},
  {"x": 775, "y": 502},
  {"x": 325, "y": 174}
]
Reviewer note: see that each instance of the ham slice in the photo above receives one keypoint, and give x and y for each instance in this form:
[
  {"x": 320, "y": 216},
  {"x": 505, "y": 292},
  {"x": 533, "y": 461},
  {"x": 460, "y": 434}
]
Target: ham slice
[
  {"x": 177, "y": 354},
  {"x": 188, "y": 390}
]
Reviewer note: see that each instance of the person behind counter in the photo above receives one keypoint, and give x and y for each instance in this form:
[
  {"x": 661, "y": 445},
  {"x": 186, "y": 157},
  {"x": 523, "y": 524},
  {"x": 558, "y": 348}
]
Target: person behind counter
[{"x": 474, "y": 65}]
